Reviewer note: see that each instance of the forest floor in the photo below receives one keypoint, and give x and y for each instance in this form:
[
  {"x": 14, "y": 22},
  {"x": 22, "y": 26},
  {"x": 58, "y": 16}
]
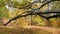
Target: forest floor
[{"x": 29, "y": 30}]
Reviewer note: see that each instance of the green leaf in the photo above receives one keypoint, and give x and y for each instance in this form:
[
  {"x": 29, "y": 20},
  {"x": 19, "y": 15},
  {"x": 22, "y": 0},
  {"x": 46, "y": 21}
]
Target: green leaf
[{"x": 3, "y": 12}]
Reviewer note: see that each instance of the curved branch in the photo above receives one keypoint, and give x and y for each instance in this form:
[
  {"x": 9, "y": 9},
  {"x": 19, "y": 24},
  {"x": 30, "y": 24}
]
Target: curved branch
[
  {"x": 34, "y": 13},
  {"x": 49, "y": 11},
  {"x": 19, "y": 16},
  {"x": 54, "y": 16},
  {"x": 48, "y": 1},
  {"x": 31, "y": 13},
  {"x": 30, "y": 4}
]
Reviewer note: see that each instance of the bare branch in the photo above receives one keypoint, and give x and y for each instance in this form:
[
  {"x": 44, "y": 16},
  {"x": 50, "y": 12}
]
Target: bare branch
[{"x": 35, "y": 13}]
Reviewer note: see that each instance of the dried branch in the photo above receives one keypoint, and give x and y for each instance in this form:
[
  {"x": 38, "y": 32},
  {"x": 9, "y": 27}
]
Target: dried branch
[{"x": 35, "y": 13}]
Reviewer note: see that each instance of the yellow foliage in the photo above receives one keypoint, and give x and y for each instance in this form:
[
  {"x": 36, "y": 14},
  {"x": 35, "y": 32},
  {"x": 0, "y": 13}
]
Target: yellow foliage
[
  {"x": 55, "y": 22},
  {"x": 39, "y": 20},
  {"x": 23, "y": 22},
  {"x": 36, "y": 5}
]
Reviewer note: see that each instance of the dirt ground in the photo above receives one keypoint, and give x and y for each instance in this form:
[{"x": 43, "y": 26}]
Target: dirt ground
[{"x": 29, "y": 30}]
